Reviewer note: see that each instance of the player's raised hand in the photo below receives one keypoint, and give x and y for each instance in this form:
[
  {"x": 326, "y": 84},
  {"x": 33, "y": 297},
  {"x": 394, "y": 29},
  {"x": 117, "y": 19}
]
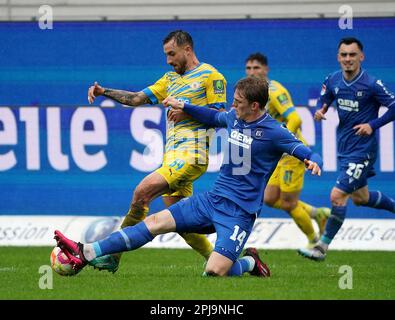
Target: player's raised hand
[
  {"x": 313, "y": 167},
  {"x": 319, "y": 115},
  {"x": 173, "y": 102},
  {"x": 94, "y": 91},
  {"x": 363, "y": 129}
]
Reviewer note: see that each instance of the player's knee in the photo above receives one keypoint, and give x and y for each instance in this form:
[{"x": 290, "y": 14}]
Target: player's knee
[
  {"x": 336, "y": 200},
  {"x": 358, "y": 200},
  {"x": 288, "y": 205},
  {"x": 155, "y": 225},
  {"x": 216, "y": 271},
  {"x": 269, "y": 200}
]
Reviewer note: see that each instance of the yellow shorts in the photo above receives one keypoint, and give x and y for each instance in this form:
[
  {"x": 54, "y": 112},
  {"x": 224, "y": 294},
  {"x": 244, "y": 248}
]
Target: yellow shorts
[
  {"x": 180, "y": 174},
  {"x": 288, "y": 175}
]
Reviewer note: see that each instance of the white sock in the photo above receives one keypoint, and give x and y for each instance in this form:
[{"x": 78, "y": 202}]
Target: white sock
[
  {"x": 313, "y": 212},
  {"x": 89, "y": 252},
  {"x": 251, "y": 262},
  {"x": 323, "y": 245}
]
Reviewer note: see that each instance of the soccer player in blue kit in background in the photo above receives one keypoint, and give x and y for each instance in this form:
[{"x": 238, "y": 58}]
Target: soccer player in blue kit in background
[
  {"x": 231, "y": 207},
  {"x": 358, "y": 97}
]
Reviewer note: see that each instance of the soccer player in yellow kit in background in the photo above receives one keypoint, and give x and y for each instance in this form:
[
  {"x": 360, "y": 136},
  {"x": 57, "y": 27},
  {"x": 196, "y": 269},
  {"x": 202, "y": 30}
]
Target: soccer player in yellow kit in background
[
  {"x": 286, "y": 183},
  {"x": 186, "y": 149}
]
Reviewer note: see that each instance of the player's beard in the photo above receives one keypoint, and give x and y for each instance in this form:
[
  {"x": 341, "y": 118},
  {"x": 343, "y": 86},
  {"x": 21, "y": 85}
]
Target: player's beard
[{"x": 181, "y": 67}]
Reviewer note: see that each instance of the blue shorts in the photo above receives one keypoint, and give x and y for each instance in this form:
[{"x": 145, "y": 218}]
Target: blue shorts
[
  {"x": 209, "y": 213},
  {"x": 354, "y": 173}
]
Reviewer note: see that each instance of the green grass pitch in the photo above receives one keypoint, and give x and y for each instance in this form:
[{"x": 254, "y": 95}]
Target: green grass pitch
[{"x": 175, "y": 274}]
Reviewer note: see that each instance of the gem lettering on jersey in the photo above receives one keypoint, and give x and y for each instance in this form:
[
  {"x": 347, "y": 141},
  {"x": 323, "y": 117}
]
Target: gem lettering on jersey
[
  {"x": 240, "y": 139},
  {"x": 348, "y": 105}
]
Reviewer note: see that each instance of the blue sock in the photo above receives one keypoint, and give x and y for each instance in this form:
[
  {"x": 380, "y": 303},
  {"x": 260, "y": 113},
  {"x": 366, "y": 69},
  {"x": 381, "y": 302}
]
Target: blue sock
[
  {"x": 380, "y": 201},
  {"x": 240, "y": 266},
  {"x": 334, "y": 223},
  {"x": 129, "y": 238}
]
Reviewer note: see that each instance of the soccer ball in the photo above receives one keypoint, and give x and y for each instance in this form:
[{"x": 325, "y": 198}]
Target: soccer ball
[{"x": 60, "y": 263}]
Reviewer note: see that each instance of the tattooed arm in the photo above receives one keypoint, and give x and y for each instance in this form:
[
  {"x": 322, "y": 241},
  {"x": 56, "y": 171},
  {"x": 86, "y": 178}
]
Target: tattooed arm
[{"x": 125, "y": 97}]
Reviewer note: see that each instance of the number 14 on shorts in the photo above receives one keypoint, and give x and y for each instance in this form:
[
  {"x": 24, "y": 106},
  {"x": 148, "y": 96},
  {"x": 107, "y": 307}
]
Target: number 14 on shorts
[{"x": 238, "y": 236}]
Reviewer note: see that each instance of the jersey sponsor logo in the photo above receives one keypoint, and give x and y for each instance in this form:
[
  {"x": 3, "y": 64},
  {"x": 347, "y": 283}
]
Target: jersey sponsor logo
[
  {"x": 348, "y": 105},
  {"x": 240, "y": 139},
  {"x": 182, "y": 99},
  {"x": 219, "y": 86},
  {"x": 282, "y": 98}
]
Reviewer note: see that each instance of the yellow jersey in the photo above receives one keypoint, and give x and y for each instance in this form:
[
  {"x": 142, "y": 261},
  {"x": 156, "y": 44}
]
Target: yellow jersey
[
  {"x": 202, "y": 86},
  {"x": 280, "y": 105}
]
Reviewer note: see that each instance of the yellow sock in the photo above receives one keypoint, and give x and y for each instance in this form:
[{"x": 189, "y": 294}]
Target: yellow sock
[
  {"x": 303, "y": 220},
  {"x": 134, "y": 216},
  {"x": 198, "y": 242},
  {"x": 312, "y": 211}
]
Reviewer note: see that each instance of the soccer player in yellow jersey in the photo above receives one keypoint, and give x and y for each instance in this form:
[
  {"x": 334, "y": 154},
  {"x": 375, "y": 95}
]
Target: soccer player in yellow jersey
[
  {"x": 285, "y": 184},
  {"x": 187, "y": 144}
]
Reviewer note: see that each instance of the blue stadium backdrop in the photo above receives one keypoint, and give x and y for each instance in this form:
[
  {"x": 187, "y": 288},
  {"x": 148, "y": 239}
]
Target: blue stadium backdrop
[{"x": 60, "y": 156}]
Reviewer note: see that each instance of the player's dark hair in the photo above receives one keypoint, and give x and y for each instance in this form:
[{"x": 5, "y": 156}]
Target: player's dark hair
[
  {"x": 254, "y": 90},
  {"x": 180, "y": 36},
  {"x": 261, "y": 58},
  {"x": 351, "y": 40}
]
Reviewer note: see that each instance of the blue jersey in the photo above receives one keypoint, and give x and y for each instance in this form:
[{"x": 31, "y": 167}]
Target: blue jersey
[
  {"x": 357, "y": 102},
  {"x": 254, "y": 150}
]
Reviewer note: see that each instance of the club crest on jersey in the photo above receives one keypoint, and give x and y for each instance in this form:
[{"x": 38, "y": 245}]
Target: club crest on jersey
[
  {"x": 240, "y": 139},
  {"x": 195, "y": 85},
  {"x": 258, "y": 133},
  {"x": 234, "y": 123},
  {"x": 336, "y": 90},
  {"x": 359, "y": 94}
]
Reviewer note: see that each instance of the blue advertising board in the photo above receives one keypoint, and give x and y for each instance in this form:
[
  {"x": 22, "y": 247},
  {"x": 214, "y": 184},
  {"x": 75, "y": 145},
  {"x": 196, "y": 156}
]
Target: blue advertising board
[{"x": 60, "y": 156}]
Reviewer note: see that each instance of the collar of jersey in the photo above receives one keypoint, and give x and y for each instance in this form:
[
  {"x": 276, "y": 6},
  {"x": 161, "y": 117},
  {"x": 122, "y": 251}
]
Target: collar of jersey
[
  {"x": 188, "y": 72},
  {"x": 356, "y": 78},
  {"x": 261, "y": 118}
]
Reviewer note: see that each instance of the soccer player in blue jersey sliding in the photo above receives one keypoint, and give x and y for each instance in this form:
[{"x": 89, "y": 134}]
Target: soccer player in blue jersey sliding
[
  {"x": 358, "y": 97},
  {"x": 256, "y": 142}
]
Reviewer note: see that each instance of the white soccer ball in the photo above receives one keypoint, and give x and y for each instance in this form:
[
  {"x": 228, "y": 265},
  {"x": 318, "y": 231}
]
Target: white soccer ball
[{"x": 60, "y": 263}]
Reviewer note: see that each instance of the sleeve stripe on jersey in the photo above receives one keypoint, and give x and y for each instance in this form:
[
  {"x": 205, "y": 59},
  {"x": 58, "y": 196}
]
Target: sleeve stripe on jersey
[
  {"x": 288, "y": 111},
  {"x": 390, "y": 104},
  {"x": 150, "y": 95}
]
